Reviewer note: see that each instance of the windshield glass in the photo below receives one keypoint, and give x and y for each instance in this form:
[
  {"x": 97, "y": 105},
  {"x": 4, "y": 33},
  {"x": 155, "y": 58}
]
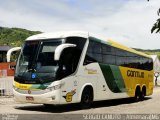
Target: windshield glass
[{"x": 36, "y": 62}]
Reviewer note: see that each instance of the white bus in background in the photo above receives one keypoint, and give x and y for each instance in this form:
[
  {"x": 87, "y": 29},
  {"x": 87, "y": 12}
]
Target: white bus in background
[{"x": 75, "y": 67}]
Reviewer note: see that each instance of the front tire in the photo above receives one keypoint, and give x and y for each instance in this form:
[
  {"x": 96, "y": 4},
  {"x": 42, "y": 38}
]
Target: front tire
[{"x": 86, "y": 99}]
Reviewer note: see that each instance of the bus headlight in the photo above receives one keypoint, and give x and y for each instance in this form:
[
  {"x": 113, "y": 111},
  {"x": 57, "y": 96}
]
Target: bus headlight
[{"x": 55, "y": 87}]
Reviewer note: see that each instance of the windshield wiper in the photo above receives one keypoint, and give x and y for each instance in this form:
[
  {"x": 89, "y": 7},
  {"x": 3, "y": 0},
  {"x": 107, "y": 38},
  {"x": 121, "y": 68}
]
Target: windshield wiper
[{"x": 32, "y": 70}]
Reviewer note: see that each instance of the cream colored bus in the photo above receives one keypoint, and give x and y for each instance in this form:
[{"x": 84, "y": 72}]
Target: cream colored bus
[{"x": 76, "y": 67}]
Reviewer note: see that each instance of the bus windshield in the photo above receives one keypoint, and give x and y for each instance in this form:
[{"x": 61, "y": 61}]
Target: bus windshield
[{"x": 36, "y": 62}]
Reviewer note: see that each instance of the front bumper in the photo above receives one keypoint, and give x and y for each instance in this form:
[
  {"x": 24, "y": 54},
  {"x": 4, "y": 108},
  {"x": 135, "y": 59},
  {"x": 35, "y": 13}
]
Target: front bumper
[{"x": 52, "y": 97}]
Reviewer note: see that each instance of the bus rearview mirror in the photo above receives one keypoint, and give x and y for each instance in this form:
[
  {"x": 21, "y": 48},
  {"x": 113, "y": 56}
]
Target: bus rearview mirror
[
  {"x": 9, "y": 52},
  {"x": 59, "y": 50}
]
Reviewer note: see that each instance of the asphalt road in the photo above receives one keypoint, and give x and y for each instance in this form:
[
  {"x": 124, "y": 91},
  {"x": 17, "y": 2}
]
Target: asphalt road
[{"x": 9, "y": 108}]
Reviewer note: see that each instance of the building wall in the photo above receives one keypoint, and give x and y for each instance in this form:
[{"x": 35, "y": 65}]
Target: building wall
[{"x": 7, "y": 69}]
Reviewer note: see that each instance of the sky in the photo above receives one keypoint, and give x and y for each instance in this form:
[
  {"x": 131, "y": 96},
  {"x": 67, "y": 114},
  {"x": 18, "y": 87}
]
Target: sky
[{"x": 128, "y": 22}]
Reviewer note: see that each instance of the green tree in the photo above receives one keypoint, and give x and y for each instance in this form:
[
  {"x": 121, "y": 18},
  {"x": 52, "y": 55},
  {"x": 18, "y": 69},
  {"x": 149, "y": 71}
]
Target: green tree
[
  {"x": 14, "y": 36},
  {"x": 156, "y": 26}
]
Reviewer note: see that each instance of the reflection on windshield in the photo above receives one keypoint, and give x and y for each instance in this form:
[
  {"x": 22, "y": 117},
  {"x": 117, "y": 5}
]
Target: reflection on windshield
[
  {"x": 27, "y": 56},
  {"x": 36, "y": 62}
]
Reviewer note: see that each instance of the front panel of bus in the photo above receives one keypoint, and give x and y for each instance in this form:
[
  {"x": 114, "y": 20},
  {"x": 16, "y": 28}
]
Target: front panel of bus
[{"x": 38, "y": 77}]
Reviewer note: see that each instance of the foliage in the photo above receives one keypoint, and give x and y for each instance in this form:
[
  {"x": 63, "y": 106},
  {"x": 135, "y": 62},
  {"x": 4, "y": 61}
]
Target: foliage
[
  {"x": 14, "y": 36},
  {"x": 150, "y": 52},
  {"x": 156, "y": 26},
  {"x": 153, "y": 53}
]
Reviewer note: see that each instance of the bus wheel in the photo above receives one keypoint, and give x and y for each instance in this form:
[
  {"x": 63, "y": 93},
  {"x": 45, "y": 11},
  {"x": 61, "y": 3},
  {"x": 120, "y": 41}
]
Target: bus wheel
[
  {"x": 87, "y": 98},
  {"x": 143, "y": 94},
  {"x": 137, "y": 94}
]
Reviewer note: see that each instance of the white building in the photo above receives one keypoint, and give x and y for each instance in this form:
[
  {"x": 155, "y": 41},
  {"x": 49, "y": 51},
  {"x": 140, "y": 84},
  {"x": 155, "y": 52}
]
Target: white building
[{"x": 156, "y": 63}]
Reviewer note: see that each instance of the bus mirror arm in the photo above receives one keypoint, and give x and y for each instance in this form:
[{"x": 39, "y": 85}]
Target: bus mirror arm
[
  {"x": 60, "y": 48},
  {"x": 10, "y": 51}
]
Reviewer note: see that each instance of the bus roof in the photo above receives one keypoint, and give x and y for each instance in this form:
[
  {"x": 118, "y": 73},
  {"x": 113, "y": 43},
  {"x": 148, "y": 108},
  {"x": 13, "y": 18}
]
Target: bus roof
[{"x": 54, "y": 35}]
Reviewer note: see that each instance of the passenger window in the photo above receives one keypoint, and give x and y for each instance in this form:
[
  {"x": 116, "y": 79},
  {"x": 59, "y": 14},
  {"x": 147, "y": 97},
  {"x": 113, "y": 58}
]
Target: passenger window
[{"x": 93, "y": 53}]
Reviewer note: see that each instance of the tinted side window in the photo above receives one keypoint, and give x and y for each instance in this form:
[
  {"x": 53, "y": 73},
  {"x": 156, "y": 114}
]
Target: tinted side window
[
  {"x": 121, "y": 59},
  {"x": 108, "y": 54},
  {"x": 93, "y": 52}
]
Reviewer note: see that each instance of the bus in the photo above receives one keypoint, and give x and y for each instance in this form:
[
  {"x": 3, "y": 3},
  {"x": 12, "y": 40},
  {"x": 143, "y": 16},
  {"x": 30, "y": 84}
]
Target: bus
[{"x": 77, "y": 67}]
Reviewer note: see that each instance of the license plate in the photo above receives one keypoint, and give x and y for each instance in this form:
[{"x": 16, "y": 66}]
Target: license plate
[{"x": 29, "y": 98}]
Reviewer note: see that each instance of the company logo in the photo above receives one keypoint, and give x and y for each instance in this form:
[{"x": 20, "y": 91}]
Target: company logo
[
  {"x": 69, "y": 95},
  {"x": 34, "y": 75},
  {"x": 132, "y": 73}
]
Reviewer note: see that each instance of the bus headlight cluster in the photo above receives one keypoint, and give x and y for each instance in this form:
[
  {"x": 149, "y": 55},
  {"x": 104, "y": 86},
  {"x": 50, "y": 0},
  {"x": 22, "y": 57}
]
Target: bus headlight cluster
[{"x": 55, "y": 87}]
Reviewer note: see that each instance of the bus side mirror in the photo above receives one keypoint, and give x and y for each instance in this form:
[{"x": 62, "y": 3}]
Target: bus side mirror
[
  {"x": 9, "y": 52},
  {"x": 59, "y": 50}
]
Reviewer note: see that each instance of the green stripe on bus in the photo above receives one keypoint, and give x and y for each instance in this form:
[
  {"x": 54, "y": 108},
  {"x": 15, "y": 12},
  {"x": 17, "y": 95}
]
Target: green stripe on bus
[
  {"x": 113, "y": 78},
  {"x": 40, "y": 86},
  {"x": 118, "y": 78}
]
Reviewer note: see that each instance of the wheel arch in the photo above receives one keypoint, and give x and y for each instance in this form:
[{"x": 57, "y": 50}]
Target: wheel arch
[
  {"x": 137, "y": 87},
  {"x": 87, "y": 85},
  {"x": 144, "y": 88}
]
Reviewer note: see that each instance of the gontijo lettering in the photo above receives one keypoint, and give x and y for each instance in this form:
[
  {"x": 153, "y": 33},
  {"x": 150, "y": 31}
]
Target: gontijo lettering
[{"x": 132, "y": 73}]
